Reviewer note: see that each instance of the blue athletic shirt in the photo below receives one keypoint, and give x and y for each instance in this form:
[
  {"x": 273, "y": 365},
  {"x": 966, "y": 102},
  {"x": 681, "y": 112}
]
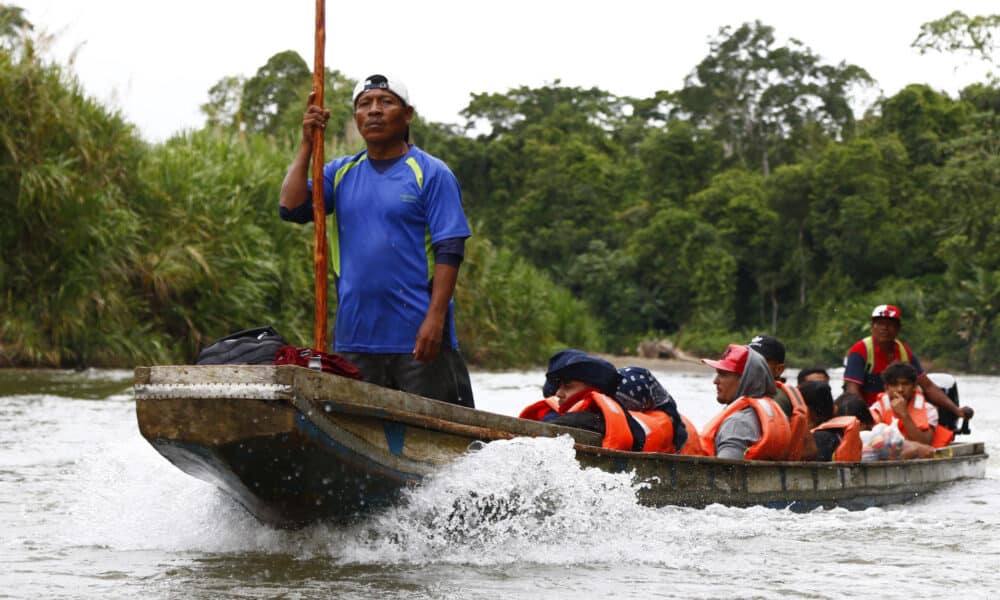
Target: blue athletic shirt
[{"x": 381, "y": 234}]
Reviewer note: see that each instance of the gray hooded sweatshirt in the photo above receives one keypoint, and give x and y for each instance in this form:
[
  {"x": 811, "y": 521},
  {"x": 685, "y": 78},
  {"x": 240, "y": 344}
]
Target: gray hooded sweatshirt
[{"x": 742, "y": 429}]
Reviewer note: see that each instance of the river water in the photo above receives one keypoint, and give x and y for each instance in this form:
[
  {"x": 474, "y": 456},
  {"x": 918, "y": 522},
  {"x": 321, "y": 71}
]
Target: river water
[{"x": 89, "y": 510}]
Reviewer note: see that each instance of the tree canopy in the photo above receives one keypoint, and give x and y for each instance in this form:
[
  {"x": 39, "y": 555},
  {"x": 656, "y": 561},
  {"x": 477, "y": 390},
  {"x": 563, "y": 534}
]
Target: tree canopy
[{"x": 750, "y": 200}]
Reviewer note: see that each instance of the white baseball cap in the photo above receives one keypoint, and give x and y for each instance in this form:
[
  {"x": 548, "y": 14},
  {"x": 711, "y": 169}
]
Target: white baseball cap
[{"x": 382, "y": 82}]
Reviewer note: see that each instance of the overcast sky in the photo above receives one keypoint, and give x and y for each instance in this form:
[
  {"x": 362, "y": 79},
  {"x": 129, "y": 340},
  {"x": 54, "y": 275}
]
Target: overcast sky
[{"x": 156, "y": 60}]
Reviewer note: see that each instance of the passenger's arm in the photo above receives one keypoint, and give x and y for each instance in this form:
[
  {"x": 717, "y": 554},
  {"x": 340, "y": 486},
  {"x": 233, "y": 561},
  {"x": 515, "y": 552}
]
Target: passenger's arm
[
  {"x": 736, "y": 434},
  {"x": 809, "y": 449},
  {"x": 910, "y": 429},
  {"x": 916, "y": 450}
]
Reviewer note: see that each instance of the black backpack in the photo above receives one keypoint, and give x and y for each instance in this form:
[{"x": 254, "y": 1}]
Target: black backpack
[{"x": 248, "y": 347}]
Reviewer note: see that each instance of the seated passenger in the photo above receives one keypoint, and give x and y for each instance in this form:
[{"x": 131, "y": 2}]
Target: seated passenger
[
  {"x": 852, "y": 405},
  {"x": 646, "y": 399},
  {"x": 751, "y": 425},
  {"x": 584, "y": 387},
  {"x": 573, "y": 375},
  {"x": 903, "y": 402},
  {"x": 812, "y": 374},
  {"x": 787, "y": 397},
  {"x": 837, "y": 438}
]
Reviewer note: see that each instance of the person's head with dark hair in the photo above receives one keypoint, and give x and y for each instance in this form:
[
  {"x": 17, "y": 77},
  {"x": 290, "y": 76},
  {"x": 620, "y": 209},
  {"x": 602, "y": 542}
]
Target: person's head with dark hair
[
  {"x": 773, "y": 352},
  {"x": 851, "y": 405},
  {"x": 899, "y": 371},
  {"x": 813, "y": 374},
  {"x": 819, "y": 399},
  {"x": 383, "y": 113}
]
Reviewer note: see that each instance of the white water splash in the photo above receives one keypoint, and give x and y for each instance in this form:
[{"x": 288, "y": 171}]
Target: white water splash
[{"x": 523, "y": 500}]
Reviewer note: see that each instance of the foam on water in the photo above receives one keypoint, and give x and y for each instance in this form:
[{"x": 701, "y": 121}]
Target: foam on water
[{"x": 523, "y": 500}]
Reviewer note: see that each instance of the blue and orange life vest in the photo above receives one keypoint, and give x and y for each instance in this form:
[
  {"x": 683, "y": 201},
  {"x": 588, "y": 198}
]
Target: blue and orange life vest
[
  {"x": 798, "y": 422},
  {"x": 917, "y": 408},
  {"x": 543, "y": 410},
  {"x": 775, "y": 432},
  {"x": 849, "y": 449}
]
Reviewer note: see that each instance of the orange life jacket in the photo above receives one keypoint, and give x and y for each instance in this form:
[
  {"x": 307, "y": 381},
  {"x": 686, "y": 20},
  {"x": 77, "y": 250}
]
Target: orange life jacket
[
  {"x": 659, "y": 428},
  {"x": 617, "y": 435},
  {"x": 917, "y": 407},
  {"x": 850, "y": 446},
  {"x": 657, "y": 424},
  {"x": 798, "y": 423},
  {"x": 541, "y": 409},
  {"x": 775, "y": 432},
  {"x": 692, "y": 447}
]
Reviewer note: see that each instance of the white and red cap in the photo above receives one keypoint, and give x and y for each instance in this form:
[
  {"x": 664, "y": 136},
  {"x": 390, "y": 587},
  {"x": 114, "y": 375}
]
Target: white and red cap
[{"x": 886, "y": 311}]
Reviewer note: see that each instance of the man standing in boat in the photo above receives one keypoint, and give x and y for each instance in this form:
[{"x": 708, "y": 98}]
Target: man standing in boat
[
  {"x": 398, "y": 238},
  {"x": 868, "y": 357}
]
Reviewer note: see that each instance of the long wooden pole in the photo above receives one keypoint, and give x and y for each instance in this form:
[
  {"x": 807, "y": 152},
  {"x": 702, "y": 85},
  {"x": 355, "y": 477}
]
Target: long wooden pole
[{"x": 319, "y": 206}]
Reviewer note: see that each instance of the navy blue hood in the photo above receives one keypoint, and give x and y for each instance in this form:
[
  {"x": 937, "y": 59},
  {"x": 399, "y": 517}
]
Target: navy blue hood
[{"x": 577, "y": 365}]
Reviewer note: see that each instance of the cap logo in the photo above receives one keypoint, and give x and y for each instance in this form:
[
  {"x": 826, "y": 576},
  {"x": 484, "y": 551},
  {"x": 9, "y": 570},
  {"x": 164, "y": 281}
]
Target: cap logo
[
  {"x": 885, "y": 311},
  {"x": 376, "y": 82}
]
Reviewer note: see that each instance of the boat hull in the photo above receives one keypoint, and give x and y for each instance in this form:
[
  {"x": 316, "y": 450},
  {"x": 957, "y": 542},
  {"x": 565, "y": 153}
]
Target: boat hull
[{"x": 295, "y": 446}]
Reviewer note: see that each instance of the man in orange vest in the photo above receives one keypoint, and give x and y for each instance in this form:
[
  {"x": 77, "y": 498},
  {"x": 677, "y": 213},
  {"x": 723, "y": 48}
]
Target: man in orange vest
[
  {"x": 751, "y": 425},
  {"x": 787, "y": 397}
]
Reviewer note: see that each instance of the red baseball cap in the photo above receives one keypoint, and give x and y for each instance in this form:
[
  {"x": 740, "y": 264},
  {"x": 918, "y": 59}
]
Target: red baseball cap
[
  {"x": 734, "y": 359},
  {"x": 886, "y": 311}
]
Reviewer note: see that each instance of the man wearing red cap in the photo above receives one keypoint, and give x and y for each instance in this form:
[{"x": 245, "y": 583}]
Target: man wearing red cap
[
  {"x": 752, "y": 425},
  {"x": 868, "y": 357}
]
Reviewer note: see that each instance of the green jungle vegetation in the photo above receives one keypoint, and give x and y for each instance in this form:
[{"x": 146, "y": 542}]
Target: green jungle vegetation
[{"x": 751, "y": 200}]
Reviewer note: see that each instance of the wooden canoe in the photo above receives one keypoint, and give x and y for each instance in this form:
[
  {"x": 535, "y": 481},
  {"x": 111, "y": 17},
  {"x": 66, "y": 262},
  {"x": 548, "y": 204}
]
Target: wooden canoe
[{"x": 294, "y": 445}]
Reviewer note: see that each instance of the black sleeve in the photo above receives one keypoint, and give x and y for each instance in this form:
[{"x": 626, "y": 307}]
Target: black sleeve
[
  {"x": 450, "y": 251},
  {"x": 826, "y": 444},
  {"x": 302, "y": 213}
]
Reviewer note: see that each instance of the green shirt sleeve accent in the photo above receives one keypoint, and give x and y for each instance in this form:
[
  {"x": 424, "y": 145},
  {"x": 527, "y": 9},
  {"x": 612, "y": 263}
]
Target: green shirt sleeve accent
[
  {"x": 334, "y": 233},
  {"x": 428, "y": 248}
]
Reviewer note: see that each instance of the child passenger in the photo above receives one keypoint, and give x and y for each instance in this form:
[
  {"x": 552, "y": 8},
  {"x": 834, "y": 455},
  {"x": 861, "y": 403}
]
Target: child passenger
[{"x": 903, "y": 402}]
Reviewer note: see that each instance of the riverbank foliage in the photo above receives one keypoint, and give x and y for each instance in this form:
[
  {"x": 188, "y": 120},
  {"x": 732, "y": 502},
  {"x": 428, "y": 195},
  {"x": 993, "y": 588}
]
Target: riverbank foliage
[{"x": 751, "y": 200}]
